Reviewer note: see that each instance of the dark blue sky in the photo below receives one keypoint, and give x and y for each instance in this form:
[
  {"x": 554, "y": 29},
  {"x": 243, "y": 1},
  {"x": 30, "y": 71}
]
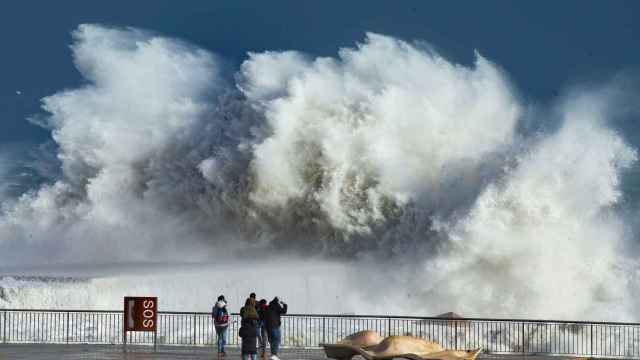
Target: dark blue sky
[{"x": 544, "y": 46}]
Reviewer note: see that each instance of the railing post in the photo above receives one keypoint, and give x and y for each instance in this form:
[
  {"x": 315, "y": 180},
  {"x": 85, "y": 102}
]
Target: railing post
[
  {"x": 66, "y": 333},
  {"x": 4, "y": 327},
  {"x": 389, "y": 327},
  {"x": 194, "y": 329},
  {"x": 522, "y": 338},
  {"x": 455, "y": 335},
  {"x": 591, "y": 339},
  {"x": 324, "y": 329}
]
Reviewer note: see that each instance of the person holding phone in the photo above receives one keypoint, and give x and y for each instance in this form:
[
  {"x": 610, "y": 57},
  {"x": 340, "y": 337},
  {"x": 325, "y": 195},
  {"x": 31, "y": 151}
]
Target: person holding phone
[{"x": 273, "y": 322}]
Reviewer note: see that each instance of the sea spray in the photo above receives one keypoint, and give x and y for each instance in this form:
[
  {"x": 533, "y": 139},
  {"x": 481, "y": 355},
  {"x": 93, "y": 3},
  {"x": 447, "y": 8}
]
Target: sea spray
[{"x": 407, "y": 169}]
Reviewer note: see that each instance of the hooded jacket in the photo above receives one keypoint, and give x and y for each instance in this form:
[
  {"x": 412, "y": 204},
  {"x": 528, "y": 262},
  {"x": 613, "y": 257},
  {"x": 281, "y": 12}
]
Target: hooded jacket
[
  {"x": 272, "y": 315},
  {"x": 220, "y": 309}
]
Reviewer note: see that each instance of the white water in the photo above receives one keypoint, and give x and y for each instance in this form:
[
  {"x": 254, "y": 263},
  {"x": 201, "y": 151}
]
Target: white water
[
  {"x": 402, "y": 175},
  {"x": 182, "y": 287}
]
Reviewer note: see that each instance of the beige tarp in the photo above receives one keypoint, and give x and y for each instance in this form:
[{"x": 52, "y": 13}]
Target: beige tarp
[{"x": 372, "y": 346}]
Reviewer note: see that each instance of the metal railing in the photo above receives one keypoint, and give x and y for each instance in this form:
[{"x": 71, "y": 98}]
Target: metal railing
[{"x": 604, "y": 339}]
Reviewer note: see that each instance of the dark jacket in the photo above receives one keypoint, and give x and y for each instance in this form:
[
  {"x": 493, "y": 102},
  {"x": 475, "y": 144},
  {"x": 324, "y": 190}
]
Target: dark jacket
[
  {"x": 272, "y": 315},
  {"x": 262, "y": 310},
  {"x": 249, "y": 334}
]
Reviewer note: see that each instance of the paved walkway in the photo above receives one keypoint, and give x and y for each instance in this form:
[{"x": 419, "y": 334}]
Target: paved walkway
[{"x": 114, "y": 352}]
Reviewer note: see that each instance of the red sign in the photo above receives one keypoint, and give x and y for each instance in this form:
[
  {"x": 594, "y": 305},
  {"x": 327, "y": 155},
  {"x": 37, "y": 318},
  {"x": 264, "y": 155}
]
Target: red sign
[{"x": 140, "y": 313}]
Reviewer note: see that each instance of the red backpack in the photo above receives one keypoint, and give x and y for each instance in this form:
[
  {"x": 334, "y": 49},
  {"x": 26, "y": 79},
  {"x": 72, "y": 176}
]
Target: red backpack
[{"x": 221, "y": 316}]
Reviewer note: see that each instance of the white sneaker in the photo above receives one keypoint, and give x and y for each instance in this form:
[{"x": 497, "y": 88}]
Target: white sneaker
[{"x": 274, "y": 357}]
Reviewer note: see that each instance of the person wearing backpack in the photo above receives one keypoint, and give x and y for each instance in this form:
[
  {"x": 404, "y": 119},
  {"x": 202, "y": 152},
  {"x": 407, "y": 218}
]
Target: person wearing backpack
[
  {"x": 221, "y": 322},
  {"x": 275, "y": 309}
]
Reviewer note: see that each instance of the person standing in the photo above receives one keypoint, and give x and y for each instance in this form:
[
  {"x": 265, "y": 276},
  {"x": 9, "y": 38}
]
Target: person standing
[
  {"x": 220, "y": 316},
  {"x": 260, "y": 325},
  {"x": 262, "y": 328},
  {"x": 248, "y": 330},
  {"x": 273, "y": 322}
]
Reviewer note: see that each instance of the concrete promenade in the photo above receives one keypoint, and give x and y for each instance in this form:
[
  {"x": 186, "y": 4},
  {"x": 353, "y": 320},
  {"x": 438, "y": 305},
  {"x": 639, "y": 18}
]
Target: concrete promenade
[{"x": 114, "y": 352}]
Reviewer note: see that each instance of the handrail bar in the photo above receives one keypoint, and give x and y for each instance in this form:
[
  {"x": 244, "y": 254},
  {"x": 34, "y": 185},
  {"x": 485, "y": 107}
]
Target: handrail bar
[{"x": 461, "y": 319}]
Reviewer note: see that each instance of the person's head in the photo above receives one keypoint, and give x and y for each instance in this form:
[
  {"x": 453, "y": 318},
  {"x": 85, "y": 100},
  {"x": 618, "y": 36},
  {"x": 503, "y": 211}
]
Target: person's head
[
  {"x": 275, "y": 300},
  {"x": 253, "y": 296},
  {"x": 221, "y": 298},
  {"x": 263, "y": 301},
  {"x": 250, "y": 302}
]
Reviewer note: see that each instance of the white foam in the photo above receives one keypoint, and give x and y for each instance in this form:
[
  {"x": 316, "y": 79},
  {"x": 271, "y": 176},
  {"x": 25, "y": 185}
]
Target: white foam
[{"x": 407, "y": 167}]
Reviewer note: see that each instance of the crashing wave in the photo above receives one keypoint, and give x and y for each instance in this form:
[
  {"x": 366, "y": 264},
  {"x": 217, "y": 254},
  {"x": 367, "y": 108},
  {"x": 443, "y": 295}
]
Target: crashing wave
[{"x": 387, "y": 152}]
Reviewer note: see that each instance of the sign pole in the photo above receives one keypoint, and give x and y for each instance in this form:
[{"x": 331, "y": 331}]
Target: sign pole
[
  {"x": 124, "y": 328},
  {"x": 155, "y": 326}
]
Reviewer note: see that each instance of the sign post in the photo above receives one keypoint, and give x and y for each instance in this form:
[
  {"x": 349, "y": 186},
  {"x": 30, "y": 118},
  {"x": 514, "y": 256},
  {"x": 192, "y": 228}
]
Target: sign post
[{"x": 140, "y": 314}]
